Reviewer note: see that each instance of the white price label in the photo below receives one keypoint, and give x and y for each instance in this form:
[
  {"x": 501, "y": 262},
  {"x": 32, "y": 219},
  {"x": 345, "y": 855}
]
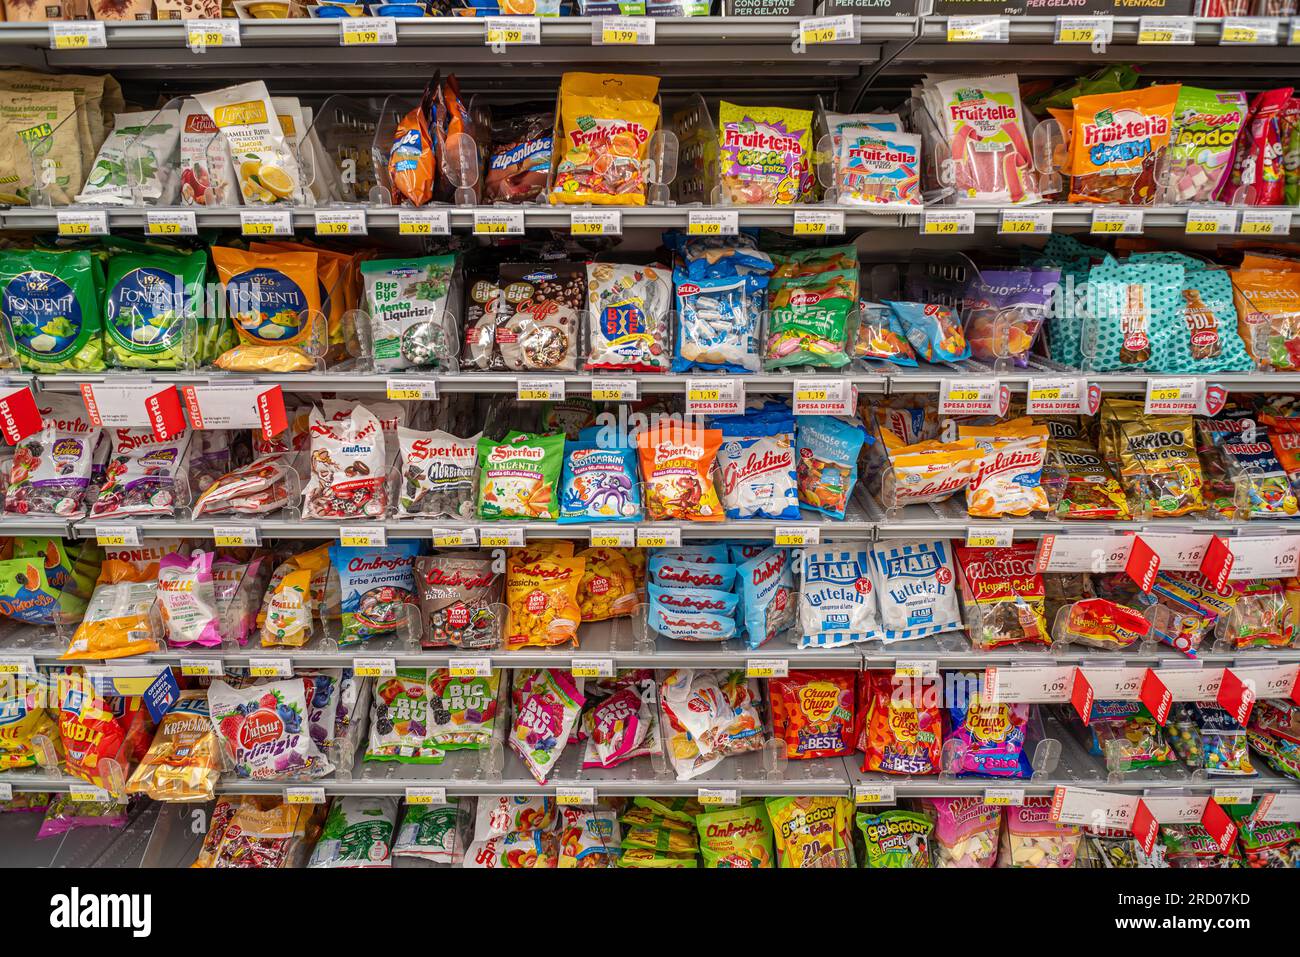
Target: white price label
[
  {"x": 1160, "y": 31},
  {"x": 712, "y": 222},
  {"x": 973, "y": 397},
  {"x": 496, "y": 222},
  {"x": 6, "y": 792},
  {"x": 512, "y": 31},
  {"x": 423, "y": 222},
  {"x": 1278, "y": 807},
  {"x": 18, "y": 665},
  {"x": 1172, "y": 396},
  {"x": 270, "y": 667},
  {"x": 363, "y": 536},
  {"x": 374, "y": 667},
  {"x": 1045, "y": 685},
  {"x": 411, "y": 390},
  {"x": 1229, "y": 796},
  {"x": 270, "y": 222},
  {"x": 614, "y": 390},
  {"x": 1211, "y": 222},
  {"x": 714, "y": 396},
  {"x": 82, "y": 222},
  {"x": 539, "y": 390},
  {"x": 341, "y": 222},
  {"x": 1177, "y": 551},
  {"x": 948, "y": 222},
  {"x": 717, "y": 797},
  {"x": 77, "y": 35},
  {"x": 1249, "y": 31},
  {"x": 624, "y": 31},
  {"x": 1114, "y": 684},
  {"x": 501, "y": 536},
  {"x": 818, "y": 222},
  {"x": 874, "y": 794},
  {"x": 1098, "y": 554},
  {"x": 367, "y": 31},
  {"x": 454, "y": 537},
  {"x": 477, "y": 667},
  {"x": 767, "y": 668},
  {"x": 203, "y": 35},
  {"x": 116, "y": 535},
  {"x": 1267, "y": 681},
  {"x": 1265, "y": 222},
  {"x": 978, "y": 29},
  {"x": 1190, "y": 683},
  {"x": 841, "y": 29},
  {"x": 1025, "y": 222},
  {"x": 575, "y": 797},
  {"x": 824, "y": 396},
  {"x": 1174, "y": 808},
  {"x": 177, "y": 222},
  {"x": 1116, "y": 222},
  {"x": 1061, "y": 396},
  {"x": 592, "y": 667},
  {"x": 1098, "y": 809},
  {"x": 596, "y": 222},
  {"x": 202, "y": 667},
  {"x": 660, "y": 537},
  {"x": 304, "y": 795},
  {"x": 989, "y": 537},
  {"x": 425, "y": 795},
  {"x": 1004, "y": 797},
  {"x": 621, "y": 537},
  {"x": 236, "y": 536},
  {"x": 1094, "y": 30},
  {"x": 796, "y": 536},
  {"x": 1256, "y": 556},
  {"x": 916, "y": 668}
]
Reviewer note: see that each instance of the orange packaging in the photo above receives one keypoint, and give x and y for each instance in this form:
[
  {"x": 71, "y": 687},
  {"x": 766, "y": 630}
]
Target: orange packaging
[
  {"x": 929, "y": 471},
  {"x": 1268, "y": 315},
  {"x": 1009, "y": 475},
  {"x": 607, "y": 121},
  {"x": 677, "y": 465},
  {"x": 542, "y": 602},
  {"x": 813, "y": 712},
  {"x": 608, "y": 588},
  {"x": 899, "y": 724},
  {"x": 335, "y": 272},
  {"x": 275, "y": 305},
  {"x": 412, "y": 160},
  {"x": 1259, "y": 260},
  {"x": 1118, "y": 143},
  {"x": 116, "y": 623}
]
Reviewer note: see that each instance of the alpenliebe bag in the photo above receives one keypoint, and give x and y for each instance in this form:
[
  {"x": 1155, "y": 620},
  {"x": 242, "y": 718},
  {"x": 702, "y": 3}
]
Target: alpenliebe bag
[
  {"x": 607, "y": 120},
  {"x": 274, "y": 299}
]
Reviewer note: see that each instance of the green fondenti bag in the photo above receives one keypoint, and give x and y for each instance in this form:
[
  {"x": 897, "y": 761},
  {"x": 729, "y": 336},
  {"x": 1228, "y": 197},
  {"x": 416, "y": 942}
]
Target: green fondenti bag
[
  {"x": 150, "y": 294},
  {"x": 51, "y": 304}
]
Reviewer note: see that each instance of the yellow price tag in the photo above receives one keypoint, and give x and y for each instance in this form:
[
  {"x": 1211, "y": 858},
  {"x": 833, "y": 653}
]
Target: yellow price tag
[
  {"x": 534, "y": 395},
  {"x": 962, "y": 34},
  {"x": 351, "y": 37},
  {"x": 1017, "y": 225},
  {"x": 604, "y": 541},
  {"x": 618, "y": 36},
  {"x": 963, "y": 395},
  {"x": 414, "y": 229},
  {"x": 111, "y": 540},
  {"x": 446, "y": 541},
  {"x": 652, "y": 541},
  {"x": 1166, "y": 395},
  {"x": 872, "y": 797},
  {"x": 1256, "y": 229},
  {"x": 603, "y": 394},
  {"x": 228, "y": 541},
  {"x": 71, "y": 41},
  {"x": 941, "y": 227},
  {"x": 789, "y": 539},
  {"x": 295, "y": 797},
  {"x": 1156, "y": 36},
  {"x": 263, "y": 671},
  {"x": 1078, "y": 35},
  {"x": 197, "y": 670},
  {"x": 506, "y": 36},
  {"x": 199, "y": 38},
  {"x": 403, "y": 395},
  {"x": 492, "y": 540},
  {"x": 490, "y": 228},
  {"x": 1202, "y": 226},
  {"x": 705, "y": 395},
  {"x": 259, "y": 229},
  {"x": 803, "y": 227},
  {"x": 704, "y": 229},
  {"x": 333, "y": 228},
  {"x": 1239, "y": 34},
  {"x": 997, "y": 800},
  {"x": 463, "y": 672},
  {"x": 1107, "y": 226},
  {"x": 819, "y": 35},
  {"x": 975, "y": 540},
  {"x": 164, "y": 229},
  {"x": 586, "y": 671},
  {"x": 8, "y": 667},
  {"x": 587, "y": 229},
  {"x": 1045, "y": 395},
  {"x": 812, "y": 395},
  {"x": 74, "y": 229},
  {"x": 355, "y": 541}
]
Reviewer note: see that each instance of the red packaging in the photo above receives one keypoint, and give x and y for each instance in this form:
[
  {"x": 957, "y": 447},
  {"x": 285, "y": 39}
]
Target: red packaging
[
  {"x": 1257, "y": 177},
  {"x": 900, "y": 731},
  {"x": 1005, "y": 596},
  {"x": 102, "y": 736},
  {"x": 813, "y": 712}
]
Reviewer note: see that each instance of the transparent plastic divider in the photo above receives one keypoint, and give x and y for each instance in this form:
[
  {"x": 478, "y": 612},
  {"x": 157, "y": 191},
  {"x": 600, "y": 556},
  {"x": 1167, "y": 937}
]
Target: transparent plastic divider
[
  {"x": 153, "y": 178},
  {"x": 51, "y": 161},
  {"x": 332, "y": 152},
  {"x": 696, "y": 181}
]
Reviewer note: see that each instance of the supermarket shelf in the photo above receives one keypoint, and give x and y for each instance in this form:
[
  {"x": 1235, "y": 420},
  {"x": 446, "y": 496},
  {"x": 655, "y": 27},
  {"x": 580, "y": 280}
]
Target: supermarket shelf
[
  {"x": 1072, "y": 216},
  {"x": 98, "y": 847}
]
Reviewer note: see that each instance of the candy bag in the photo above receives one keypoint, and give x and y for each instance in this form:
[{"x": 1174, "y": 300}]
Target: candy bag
[
  {"x": 519, "y": 156},
  {"x": 813, "y": 712},
  {"x": 376, "y": 585},
  {"x": 543, "y": 305},
  {"x": 439, "y": 472},
  {"x": 289, "y": 610},
  {"x": 965, "y": 831},
  {"x": 809, "y": 318},
  {"x": 117, "y": 620},
  {"x": 758, "y": 468},
  {"x": 914, "y": 581},
  {"x": 462, "y": 710},
  {"x": 1138, "y": 309},
  {"x": 51, "y": 302},
  {"x": 141, "y": 477},
  {"x": 677, "y": 465},
  {"x": 546, "y": 707},
  {"x": 880, "y": 335},
  {"x": 188, "y": 600},
  {"x": 983, "y": 122},
  {"x": 607, "y": 121},
  {"x": 588, "y": 838},
  {"x": 1268, "y": 316},
  {"x": 542, "y": 601},
  {"x": 837, "y": 600},
  {"x": 812, "y": 831},
  {"x": 934, "y": 331},
  {"x": 274, "y": 302},
  {"x": 1207, "y": 124},
  {"x": 358, "y": 832},
  {"x": 877, "y": 168},
  {"x": 1157, "y": 454},
  {"x": 599, "y": 484},
  {"x": 257, "y": 488},
  {"x": 1088, "y": 490},
  {"x": 183, "y": 763},
  {"x": 348, "y": 468},
  {"x": 718, "y": 322},
  {"x": 736, "y": 837},
  {"x": 764, "y": 154},
  {"x": 1102, "y": 623},
  {"x": 928, "y": 471},
  {"x": 991, "y": 736},
  {"x": 102, "y": 734},
  {"x": 608, "y": 587},
  {"x": 459, "y": 599},
  {"x": 400, "y": 715},
  {"x": 697, "y": 614},
  {"x": 150, "y": 298},
  {"x": 518, "y": 476},
  {"x": 627, "y": 309},
  {"x": 827, "y": 464},
  {"x": 263, "y": 729},
  {"x": 1004, "y": 595},
  {"x": 1033, "y": 839},
  {"x": 768, "y": 596},
  {"x": 412, "y": 158},
  {"x": 896, "y": 838},
  {"x": 430, "y": 832},
  {"x": 64, "y": 814},
  {"x": 1007, "y": 480},
  {"x": 899, "y": 724},
  {"x": 26, "y": 725},
  {"x": 1257, "y": 177},
  {"x": 51, "y": 469},
  {"x": 412, "y": 305},
  {"x": 1119, "y": 145},
  {"x": 1004, "y": 310}
]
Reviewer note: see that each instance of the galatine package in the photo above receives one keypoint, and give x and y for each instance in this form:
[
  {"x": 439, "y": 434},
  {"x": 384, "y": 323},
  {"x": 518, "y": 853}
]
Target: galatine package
[{"x": 917, "y": 588}]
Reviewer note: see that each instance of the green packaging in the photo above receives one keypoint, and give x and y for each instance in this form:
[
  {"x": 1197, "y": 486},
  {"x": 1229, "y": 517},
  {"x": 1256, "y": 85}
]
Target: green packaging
[
  {"x": 51, "y": 304},
  {"x": 150, "y": 295}
]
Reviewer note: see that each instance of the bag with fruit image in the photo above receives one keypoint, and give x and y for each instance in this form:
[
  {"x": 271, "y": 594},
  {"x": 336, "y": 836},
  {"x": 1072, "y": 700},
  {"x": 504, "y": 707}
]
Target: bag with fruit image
[
  {"x": 265, "y": 165},
  {"x": 400, "y": 714},
  {"x": 264, "y": 730},
  {"x": 607, "y": 122},
  {"x": 42, "y": 583},
  {"x": 275, "y": 305}
]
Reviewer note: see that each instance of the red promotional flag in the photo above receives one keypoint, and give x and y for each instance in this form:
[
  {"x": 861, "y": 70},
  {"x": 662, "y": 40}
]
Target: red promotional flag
[
  {"x": 166, "y": 417},
  {"x": 1156, "y": 697},
  {"x": 1142, "y": 565},
  {"x": 19, "y": 416}
]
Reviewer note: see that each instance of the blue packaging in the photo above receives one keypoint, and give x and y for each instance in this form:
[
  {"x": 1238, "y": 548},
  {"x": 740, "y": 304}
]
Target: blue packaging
[
  {"x": 826, "y": 459},
  {"x": 767, "y": 595},
  {"x": 599, "y": 484}
]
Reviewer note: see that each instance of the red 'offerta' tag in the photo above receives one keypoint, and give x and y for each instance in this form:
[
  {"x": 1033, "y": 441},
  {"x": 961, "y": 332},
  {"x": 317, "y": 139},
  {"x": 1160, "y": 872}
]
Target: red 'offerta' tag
[
  {"x": 1081, "y": 695},
  {"x": 166, "y": 417},
  {"x": 1235, "y": 698},
  {"x": 92, "y": 407},
  {"x": 270, "y": 412},
  {"x": 1220, "y": 826},
  {"x": 1156, "y": 697},
  {"x": 19, "y": 416},
  {"x": 1145, "y": 826},
  {"x": 1216, "y": 563},
  {"x": 1142, "y": 565}
]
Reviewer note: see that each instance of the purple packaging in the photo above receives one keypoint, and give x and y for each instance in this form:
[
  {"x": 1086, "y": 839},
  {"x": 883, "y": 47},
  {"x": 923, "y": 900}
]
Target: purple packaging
[{"x": 1004, "y": 309}]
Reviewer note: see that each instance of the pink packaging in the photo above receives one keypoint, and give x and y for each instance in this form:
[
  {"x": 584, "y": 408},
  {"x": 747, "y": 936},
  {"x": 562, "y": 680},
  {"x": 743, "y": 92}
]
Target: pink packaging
[
  {"x": 238, "y": 587},
  {"x": 1032, "y": 839},
  {"x": 965, "y": 831},
  {"x": 188, "y": 599},
  {"x": 1257, "y": 176}
]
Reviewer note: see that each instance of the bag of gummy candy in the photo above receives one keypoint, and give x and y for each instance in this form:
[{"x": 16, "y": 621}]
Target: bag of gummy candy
[
  {"x": 462, "y": 711},
  {"x": 934, "y": 331},
  {"x": 501, "y": 815},
  {"x": 358, "y": 832},
  {"x": 1033, "y": 839},
  {"x": 764, "y": 154},
  {"x": 993, "y": 736},
  {"x": 896, "y": 838},
  {"x": 965, "y": 831},
  {"x": 588, "y": 837},
  {"x": 546, "y": 707},
  {"x": 264, "y": 729},
  {"x": 519, "y": 476},
  {"x": 322, "y": 706},
  {"x": 524, "y": 849},
  {"x": 400, "y": 716}
]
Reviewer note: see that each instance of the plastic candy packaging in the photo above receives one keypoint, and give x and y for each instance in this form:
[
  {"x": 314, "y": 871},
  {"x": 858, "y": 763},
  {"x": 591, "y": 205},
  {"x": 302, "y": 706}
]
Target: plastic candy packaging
[
  {"x": 1206, "y": 126},
  {"x": 827, "y": 465},
  {"x": 628, "y": 309},
  {"x": 263, "y": 729},
  {"x": 621, "y": 727},
  {"x": 1088, "y": 490},
  {"x": 707, "y": 715},
  {"x": 458, "y": 596},
  {"x": 519, "y": 154},
  {"x": 608, "y": 588},
  {"x": 1206, "y": 736},
  {"x": 375, "y": 585},
  {"x": 117, "y": 620},
  {"x": 607, "y": 121},
  {"x": 934, "y": 331},
  {"x": 764, "y": 154},
  {"x": 430, "y": 832},
  {"x": 677, "y": 465},
  {"x": 813, "y": 712},
  {"x": 141, "y": 475},
  {"x": 400, "y": 716},
  {"x": 926, "y": 471},
  {"x": 899, "y": 724},
  {"x": 51, "y": 302},
  {"x": 599, "y": 484},
  {"x": 519, "y": 476},
  {"x": 1157, "y": 455},
  {"x": 358, "y": 832},
  {"x": 736, "y": 837},
  {"x": 812, "y": 831},
  {"x": 273, "y": 298},
  {"x": 1004, "y": 595},
  {"x": 439, "y": 474},
  {"x": 412, "y": 158},
  {"x": 24, "y": 722},
  {"x": 880, "y": 335},
  {"x": 1007, "y": 480},
  {"x": 502, "y": 815},
  {"x": 717, "y": 322},
  {"x": 289, "y": 609},
  {"x": 1257, "y": 178},
  {"x": 348, "y": 468},
  {"x": 544, "y": 305},
  {"x": 837, "y": 600},
  {"x": 693, "y": 615},
  {"x": 768, "y": 595},
  {"x": 1191, "y": 845},
  {"x": 1119, "y": 145},
  {"x": 260, "y": 487},
  {"x": 983, "y": 122},
  {"x": 758, "y": 467},
  {"x": 150, "y": 297},
  {"x": 588, "y": 838},
  {"x": 811, "y": 305},
  {"x": 102, "y": 734},
  {"x": 412, "y": 311},
  {"x": 188, "y": 599},
  {"x": 257, "y": 832},
  {"x": 462, "y": 711},
  {"x": 51, "y": 469},
  {"x": 1267, "y": 316},
  {"x": 1137, "y": 307},
  {"x": 896, "y": 838},
  {"x": 878, "y": 168},
  {"x": 1004, "y": 310},
  {"x": 1196, "y": 604},
  {"x": 524, "y": 849},
  {"x": 1269, "y": 843},
  {"x": 64, "y": 814},
  {"x": 1261, "y": 616},
  {"x": 542, "y": 601},
  {"x": 916, "y": 586},
  {"x": 1130, "y": 741},
  {"x": 1102, "y": 623},
  {"x": 546, "y": 708},
  {"x": 183, "y": 763},
  {"x": 993, "y": 736},
  {"x": 965, "y": 831},
  {"x": 1032, "y": 839}
]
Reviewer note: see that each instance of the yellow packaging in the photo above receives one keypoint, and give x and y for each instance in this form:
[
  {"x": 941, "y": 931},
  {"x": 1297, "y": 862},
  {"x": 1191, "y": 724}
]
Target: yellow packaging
[
  {"x": 289, "y": 611},
  {"x": 542, "y": 602},
  {"x": 264, "y": 162},
  {"x": 929, "y": 471},
  {"x": 607, "y": 121},
  {"x": 182, "y": 763},
  {"x": 1008, "y": 480},
  {"x": 274, "y": 303},
  {"x": 536, "y": 551},
  {"x": 22, "y": 721},
  {"x": 1157, "y": 455},
  {"x": 811, "y": 831},
  {"x": 608, "y": 588},
  {"x": 116, "y": 623}
]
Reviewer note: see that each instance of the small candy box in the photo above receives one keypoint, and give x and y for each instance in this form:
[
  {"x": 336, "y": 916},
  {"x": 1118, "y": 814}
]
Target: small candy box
[
  {"x": 1206, "y": 736},
  {"x": 1032, "y": 839}
]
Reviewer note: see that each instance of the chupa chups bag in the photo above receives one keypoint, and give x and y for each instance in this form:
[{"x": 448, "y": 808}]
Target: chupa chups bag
[
  {"x": 812, "y": 831},
  {"x": 1005, "y": 309},
  {"x": 768, "y": 596},
  {"x": 983, "y": 122},
  {"x": 439, "y": 474},
  {"x": 519, "y": 153},
  {"x": 1007, "y": 480},
  {"x": 878, "y": 168},
  {"x": 1268, "y": 316},
  {"x": 1138, "y": 312},
  {"x": 928, "y": 471},
  {"x": 764, "y": 154},
  {"x": 543, "y": 304},
  {"x": 608, "y": 588},
  {"x": 934, "y": 331},
  {"x": 412, "y": 314},
  {"x": 916, "y": 587},
  {"x": 1257, "y": 177},
  {"x": 627, "y": 309},
  {"x": 607, "y": 121},
  {"x": 399, "y": 720},
  {"x": 51, "y": 303},
  {"x": 188, "y": 600},
  {"x": 274, "y": 303},
  {"x": 264, "y": 162},
  {"x": 519, "y": 476},
  {"x": 546, "y": 707},
  {"x": 1088, "y": 490},
  {"x": 1157, "y": 455},
  {"x": 459, "y": 595},
  {"x": 879, "y": 335},
  {"x": 1119, "y": 145},
  {"x": 413, "y": 158},
  {"x": 677, "y": 462},
  {"x": 103, "y": 735},
  {"x": 837, "y": 601},
  {"x": 348, "y": 468},
  {"x": 183, "y": 762},
  {"x": 1207, "y": 124},
  {"x": 812, "y": 711},
  {"x": 51, "y": 469},
  {"x": 142, "y": 473},
  {"x": 697, "y": 614},
  {"x": 542, "y": 601},
  {"x": 899, "y": 728},
  {"x": 1004, "y": 595},
  {"x": 827, "y": 464},
  {"x": 263, "y": 729},
  {"x": 150, "y": 299},
  {"x": 993, "y": 736},
  {"x": 257, "y": 488},
  {"x": 375, "y": 586},
  {"x": 757, "y": 463},
  {"x": 116, "y": 623},
  {"x": 600, "y": 484}
]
